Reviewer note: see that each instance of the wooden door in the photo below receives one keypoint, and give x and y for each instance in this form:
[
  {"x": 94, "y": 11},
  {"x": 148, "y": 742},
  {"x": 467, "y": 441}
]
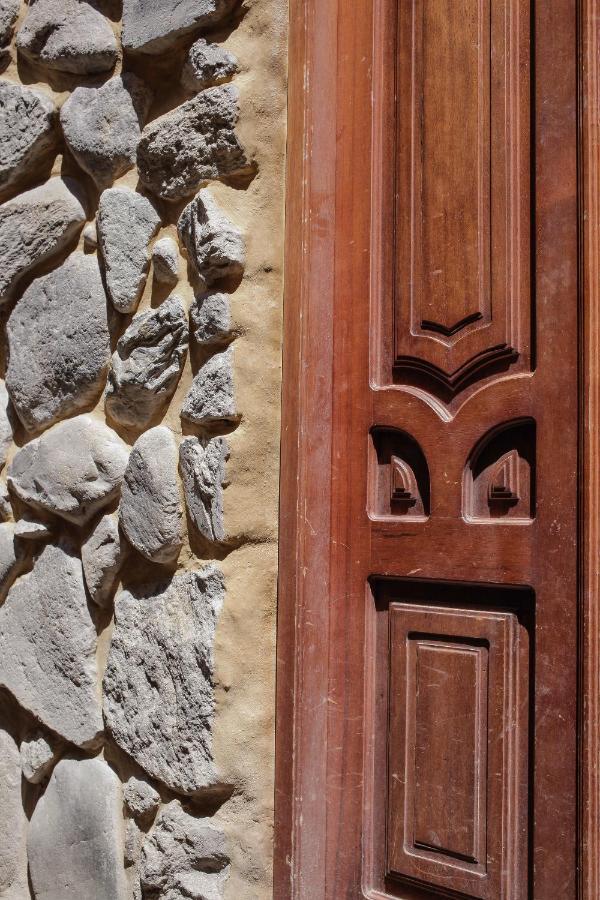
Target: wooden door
[{"x": 433, "y": 605}]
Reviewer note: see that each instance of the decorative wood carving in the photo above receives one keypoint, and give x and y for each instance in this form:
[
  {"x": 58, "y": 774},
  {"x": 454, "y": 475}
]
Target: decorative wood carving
[
  {"x": 399, "y": 477},
  {"x": 504, "y": 481},
  {"x": 461, "y": 280},
  {"x": 499, "y": 479}
]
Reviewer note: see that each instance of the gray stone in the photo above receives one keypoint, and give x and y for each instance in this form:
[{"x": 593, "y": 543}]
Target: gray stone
[
  {"x": 202, "y": 467},
  {"x": 6, "y": 512},
  {"x": 102, "y": 126},
  {"x": 6, "y": 431},
  {"x": 150, "y": 511},
  {"x": 27, "y": 131},
  {"x": 38, "y": 756},
  {"x": 13, "y": 823},
  {"x": 147, "y": 364},
  {"x": 193, "y": 143},
  {"x": 153, "y": 26},
  {"x": 211, "y": 319},
  {"x": 59, "y": 344},
  {"x": 73, "y": 469},
  {"x": 165, "y": 259},
  {"x": 126, "y": 223},
  {"x": 207, "y": 64},
  {"x": 35, "y": 226},
  {"x": 12, "y": 557},
  {"x": 102, "y": 556},
  {"x": 76, "y": 834},
  {"x": 184, "y": 857},
  {"x": 214, "y": 246},
  {"x": 48, "y": 647},
  {"x": 158, "y": 685},
  {"x": 90, "y": 237},
  {"x": 68, "y": 35},
  {"x": 134, "y": 838},
  {"x": 141, "y": 800},
  {"x": 9, "y": 12},
  {"x": 210, "y": 397},
  {"x": 30, "y": 529}
]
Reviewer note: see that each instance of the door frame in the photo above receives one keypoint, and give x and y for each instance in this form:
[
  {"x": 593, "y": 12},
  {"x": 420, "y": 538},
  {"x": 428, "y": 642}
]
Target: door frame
[{"x": 307, "y": 428}]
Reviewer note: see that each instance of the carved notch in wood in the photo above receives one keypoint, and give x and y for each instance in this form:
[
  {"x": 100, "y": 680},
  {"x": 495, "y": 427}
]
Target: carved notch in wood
[
  {"x": 399, "y": 477},
  {"x": 498, "y": 482}
]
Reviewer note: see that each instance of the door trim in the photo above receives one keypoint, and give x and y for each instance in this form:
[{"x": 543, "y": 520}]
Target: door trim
[{"x": 303, "y": 635}]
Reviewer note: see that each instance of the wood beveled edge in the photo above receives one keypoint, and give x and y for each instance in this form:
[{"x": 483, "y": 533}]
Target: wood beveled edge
[
  {"x": 590, "y": 444},
  {"x": 302, "y": 628}
]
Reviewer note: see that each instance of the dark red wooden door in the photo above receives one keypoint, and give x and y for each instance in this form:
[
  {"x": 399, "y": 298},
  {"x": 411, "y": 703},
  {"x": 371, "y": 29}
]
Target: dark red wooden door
[{"x": 444, "y": 649}]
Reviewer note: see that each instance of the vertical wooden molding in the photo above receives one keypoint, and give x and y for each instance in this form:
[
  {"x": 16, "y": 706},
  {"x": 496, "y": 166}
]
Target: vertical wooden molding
[
  {"x": 305, "y": 491},
  {"x": 590, "y": 210}
]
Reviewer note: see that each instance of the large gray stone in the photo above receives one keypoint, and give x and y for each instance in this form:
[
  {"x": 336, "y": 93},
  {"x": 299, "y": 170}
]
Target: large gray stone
[
  {"x": 210, "y": 398},
  {"x": 76, "y": 835},
  {"x": 13, "y": 824},
  {"x": 68, "y": 35},
  {"x": 215, "y": 247},
  {"x": 12, "y": 557},
  {"x": 202, "y": 467},
  {"x": 211, "y": 319},
  {"x": 102, "y": 555},
  {"x": 207, "y": 64},
  {"x": 153, "y": 26},
  {"x": 9, "y": 12},
  {"x": 59, "y": 343},
  {"x": 150, "y": 511},
  {"x": 36, "y": 225},
  {"x": 193, "y": 143},
  {"x": 74, "y": 469},
  {"x": 147, "y": 364},
  {"x": 48, "y": 647},
  {"x": 184, "y": 857},
  {"x": 27, "y": 131},
  {"x": 6, "y": 431},
  {"x": 126, "y": 223},
  {"x": 102, "y": 126},
  {"x": 141, "y": 800},
  {"x": 158, "y": 685}
]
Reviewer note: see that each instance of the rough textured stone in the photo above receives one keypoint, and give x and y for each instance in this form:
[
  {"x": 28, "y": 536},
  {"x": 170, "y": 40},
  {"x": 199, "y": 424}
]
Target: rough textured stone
[
  {"x": 59, "y": 344},
  {"x": 12, "y": 557},
  {"x": 27, "y": 131},
  {"x": 214, "y": 246},
  {"x": 102, "y": 555},
  {"x": 29, "y": 529},
  {"x": 158, "y": 686},
  {"x": 6, "y": 431},
  {"x": 207, "y": 64},
  {"x": 147, "y": 364},
  {"x": 48, "y": 647},
  {"x": 202, "y": 467},
  {"x": 5, "y": 504},
  {"x": 76, "y": 834},
  {"x": 90, "y": 236},
  {"x": 13, "y": 824},
  {"x": 165, "y": 259},
  {"x": 211, "y": 319},
  {"x": 73, "y": 469},
  {"x": 126, "y": 223},
  {"x": 192, "y": 143},
  {"x": 68, "y": 35},
  {"x": 210, "y": 398},
  {"x": 150, "y": 511},
  {"x": 141, "y": 800},
  {"x": 37, "y": 757},
  {"x": 9, "y": 11},
  {"x": 152, "y": 26},
  {"x": 35, "y": 226},
  {"x": 184, "y": 858},
  {"x": 102, "y": 126},
  {"x": 134, "y": 838}
]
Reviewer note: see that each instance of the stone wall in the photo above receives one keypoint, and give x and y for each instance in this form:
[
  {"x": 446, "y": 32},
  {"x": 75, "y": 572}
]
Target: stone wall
[{"x": 141, "y": 243}]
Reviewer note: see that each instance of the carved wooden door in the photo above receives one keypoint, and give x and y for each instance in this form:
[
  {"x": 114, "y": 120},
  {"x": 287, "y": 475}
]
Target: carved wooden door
[{"x": 439, "y": 665}]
